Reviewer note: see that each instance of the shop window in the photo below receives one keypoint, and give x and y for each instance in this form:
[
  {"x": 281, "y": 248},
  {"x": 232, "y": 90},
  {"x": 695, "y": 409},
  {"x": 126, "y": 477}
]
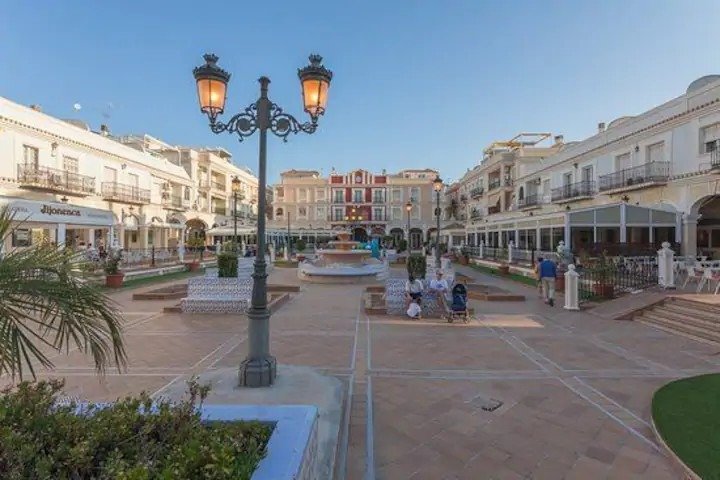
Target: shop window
[{"x": 21, "y": 237}]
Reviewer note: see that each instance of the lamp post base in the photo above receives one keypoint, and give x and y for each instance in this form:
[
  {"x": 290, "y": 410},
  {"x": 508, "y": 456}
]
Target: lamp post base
[{"x": 257, "y": 372}]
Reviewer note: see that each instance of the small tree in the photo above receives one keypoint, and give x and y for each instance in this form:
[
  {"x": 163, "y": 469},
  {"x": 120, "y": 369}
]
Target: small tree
[
  {"x": 111, "y": 265},
  {"x": 401, "y": 245},
  {"x": 227, "y": 265},
  {"x": 417, "y": 265},
  {"x": 300, "y": 245}
]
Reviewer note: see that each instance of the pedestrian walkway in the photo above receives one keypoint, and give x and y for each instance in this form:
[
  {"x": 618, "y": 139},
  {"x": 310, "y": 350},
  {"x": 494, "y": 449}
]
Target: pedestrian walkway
[{"x": 523, "y": 391}]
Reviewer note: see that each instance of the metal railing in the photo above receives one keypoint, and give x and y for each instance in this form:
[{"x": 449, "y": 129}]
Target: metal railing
[
  {"x": 625, "y": 249},
  {"x": 477, "y": 192},
  {"x": 616, "y": 277},
  {"x": 125, "y": 193},
  {"x": 54, "y": 179},
  {"x": 475, "y": 214},
  {"x": 173, "y": 201},
  {"x": 219, "y": 210},
  {"x": 494, "y": 183},
  {"x": 378, "y": 200},
  {"x": 574, "y": 190},
  {"x": 649, "y": 172},
  {"x": 148, "y": 257},
  {"x": 494, "y": 209},
  {"x": 715, "y": 158},
  {"x": 529, "y": 201},
  {"x": 508, "y": 182}
]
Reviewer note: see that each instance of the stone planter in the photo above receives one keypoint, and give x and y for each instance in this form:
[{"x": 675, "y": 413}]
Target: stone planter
[
  {"x": 560, "y": 282},
  {"x": 193, "y": 266},
  {"x": 114, "y": 280}
]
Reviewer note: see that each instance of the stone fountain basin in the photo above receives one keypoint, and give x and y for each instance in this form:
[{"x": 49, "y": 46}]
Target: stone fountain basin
[{"x": 344, "y": 257}]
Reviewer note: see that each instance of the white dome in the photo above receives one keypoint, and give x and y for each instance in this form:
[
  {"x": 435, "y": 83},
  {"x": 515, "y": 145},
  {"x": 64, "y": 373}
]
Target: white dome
[{"x": 701, "y": 82}]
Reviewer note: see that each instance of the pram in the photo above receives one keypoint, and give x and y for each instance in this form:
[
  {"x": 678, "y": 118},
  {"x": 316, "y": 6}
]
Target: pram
[{"x": 458, "y": 308}]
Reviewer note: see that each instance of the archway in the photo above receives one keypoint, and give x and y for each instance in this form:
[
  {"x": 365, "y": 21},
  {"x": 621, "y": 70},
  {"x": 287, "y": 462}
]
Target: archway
[
  {"x": 195, "y": 230},
  {"x": 707, "y": 212},
  {"x": 359, "y": 234},
  {"x": 397, "y": 234},
  {"x": 416, "y": 239}
]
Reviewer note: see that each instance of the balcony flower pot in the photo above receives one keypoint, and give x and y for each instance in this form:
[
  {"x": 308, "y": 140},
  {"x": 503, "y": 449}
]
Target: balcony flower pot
[{"x": 114, "y": 280}]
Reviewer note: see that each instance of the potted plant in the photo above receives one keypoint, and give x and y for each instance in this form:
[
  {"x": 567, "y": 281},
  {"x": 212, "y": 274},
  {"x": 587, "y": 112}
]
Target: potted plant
[
  {"x": 417, "y": 265},
  {"x": 604, "y": 277},
  {"x": 504, "y": 268},
  {"x": 113, "y": 276},
  {"x": 300, "y": 245},
  {"x": 196, "y": 245},
  {"x": 463, "y": 256}
]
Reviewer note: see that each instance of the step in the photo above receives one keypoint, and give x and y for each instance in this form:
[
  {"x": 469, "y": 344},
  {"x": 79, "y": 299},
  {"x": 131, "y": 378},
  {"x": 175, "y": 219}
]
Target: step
[
  {"x": 685, "y": 329},
  {"x": 690, "y": 312},
  {"x": 696, "y": 305},
  {"x": 687, "y": 319}
]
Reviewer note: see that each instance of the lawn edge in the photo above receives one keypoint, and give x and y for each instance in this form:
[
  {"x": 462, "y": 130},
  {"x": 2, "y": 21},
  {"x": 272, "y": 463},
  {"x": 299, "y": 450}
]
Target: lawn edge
[{"x": 679, "y": 466}]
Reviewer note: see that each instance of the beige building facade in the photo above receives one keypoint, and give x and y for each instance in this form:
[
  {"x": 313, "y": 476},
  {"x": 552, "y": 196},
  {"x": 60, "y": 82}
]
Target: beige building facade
[
  {"x": 311, "y": 206},
  {"x": 640, "y": 180},
  {"x": 71, "y": 185}
]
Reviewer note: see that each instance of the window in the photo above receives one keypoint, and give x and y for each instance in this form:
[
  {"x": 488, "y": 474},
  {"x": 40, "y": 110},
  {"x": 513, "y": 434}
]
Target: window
[
  {"x": 656, "y": 152},
  {"x": 319, "y": 194},
  {"x": 567, "y": 179},
  {"x": 302, "y": 195},
  {"x": 279, "y": 192},
  {"x": 338, "y": 196},
  {"x": 70, "y": 165},
  {"x": 31, "y": 155},
  {"x": 338, "y": 214},
  {"x": 151, "y": 236},
  {"x": 320, "y": 213},
  {"x": 396, "y": 195},
  {"x": 279, "y": 212},
  {"x": 21, "y": 237},
  {"x": 546, "y": 187},
  {"x": 415, "y": 194},
  {"x": 109, "y": 174},
  {"x": 378, "y": 214},
  {"x": 357, "y": 196},
  {"x": 396, "y": 213},
  {"x": 622, "y": 162},
  {"x": 710, "y": 138},
  {"x": 302, "y": 212},
  {"x": 378, "y": 196},
  {"x": 415, "y": 213},
  {"x": 186, "y": 193},
  {"x": 133, "y": 180},
  {"x": 587, "y": 174}
]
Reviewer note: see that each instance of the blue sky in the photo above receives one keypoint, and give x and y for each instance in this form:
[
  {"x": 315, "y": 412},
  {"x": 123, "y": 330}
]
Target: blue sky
[{"x": 417, "y": 83}]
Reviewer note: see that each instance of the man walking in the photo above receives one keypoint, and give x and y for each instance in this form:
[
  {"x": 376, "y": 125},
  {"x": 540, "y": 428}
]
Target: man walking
[{"x": 548, "y": 272}]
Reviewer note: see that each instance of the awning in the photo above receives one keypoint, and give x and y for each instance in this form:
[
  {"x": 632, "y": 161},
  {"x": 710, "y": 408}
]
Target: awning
[
  {"x": 226, "y": 231},
  {"x": 58, "y": 213}
]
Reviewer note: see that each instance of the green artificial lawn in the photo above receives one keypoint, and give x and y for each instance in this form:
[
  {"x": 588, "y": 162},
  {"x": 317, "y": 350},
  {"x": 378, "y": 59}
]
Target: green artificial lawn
[
  {"x": 512, "y": 276},
  {"x": 142, "y": 281},
  {"x": 687, "y": 415}
]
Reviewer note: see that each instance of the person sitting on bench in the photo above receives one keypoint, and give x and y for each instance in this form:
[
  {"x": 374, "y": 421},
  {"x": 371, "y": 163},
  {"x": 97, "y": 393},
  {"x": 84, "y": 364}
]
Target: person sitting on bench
[
  {"x": 439, "y": 286},
  {"x": 413, "y": 290}
]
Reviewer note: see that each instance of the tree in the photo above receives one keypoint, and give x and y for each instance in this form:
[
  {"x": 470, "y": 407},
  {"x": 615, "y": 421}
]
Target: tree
[{"x": 46, "y": 302}]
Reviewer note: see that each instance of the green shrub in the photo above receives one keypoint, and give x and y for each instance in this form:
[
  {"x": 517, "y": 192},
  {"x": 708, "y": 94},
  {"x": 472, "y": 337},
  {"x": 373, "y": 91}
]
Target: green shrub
[
  {"x": 401, "y": 245},
  {"x": 300, "y": 245},
  {"x": 43, "y": 438},
  {"x": 111, "y": 265},
  {"x": 417, "y": 265},
  {"x": 227, "y": 265}
]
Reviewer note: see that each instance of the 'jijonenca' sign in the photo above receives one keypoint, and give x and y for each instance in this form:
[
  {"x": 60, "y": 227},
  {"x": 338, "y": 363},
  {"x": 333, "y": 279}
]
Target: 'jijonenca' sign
[{"x": 48, "y": 210}]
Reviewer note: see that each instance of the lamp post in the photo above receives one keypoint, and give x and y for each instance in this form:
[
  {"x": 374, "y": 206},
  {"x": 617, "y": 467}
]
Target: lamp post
[
  {"x": 437, "y": 186},
  {"x": 259, "y": 367},
  {"x": 287, "y": 244},
  {"x": 408, "y": 209},
  {"x": 353, "y": 219},
  {"x": 235, "y": 189}
]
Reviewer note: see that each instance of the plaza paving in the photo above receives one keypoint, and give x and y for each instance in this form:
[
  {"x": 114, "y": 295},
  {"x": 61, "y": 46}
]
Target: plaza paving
[{"x": 575, "y": 388}]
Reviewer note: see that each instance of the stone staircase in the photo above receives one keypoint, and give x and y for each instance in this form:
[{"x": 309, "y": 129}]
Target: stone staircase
[{"x": 697, "y": 320}]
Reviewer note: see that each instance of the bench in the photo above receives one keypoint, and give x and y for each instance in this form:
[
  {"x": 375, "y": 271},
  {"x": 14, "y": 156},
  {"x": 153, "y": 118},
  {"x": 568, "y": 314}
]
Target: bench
[
  {"x": 395, "y": 299},
  {"x": 217, "y": 295}
]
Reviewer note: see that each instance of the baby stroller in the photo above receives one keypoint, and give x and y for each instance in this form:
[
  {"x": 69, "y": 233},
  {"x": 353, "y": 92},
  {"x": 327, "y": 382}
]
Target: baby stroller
[{"x": 458, "y": 308}]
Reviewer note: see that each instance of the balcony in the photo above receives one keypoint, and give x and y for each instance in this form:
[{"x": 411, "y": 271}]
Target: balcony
[
  {"x": 204, "y": 184},
  {"x": 173, "y": 203},
  {"x": 54, "y": 180},
  {"x": 494, "y": 183},
  {"x": 218, "y": 210},
  {"x": 653, "y": 173},
  {"x": 493, "y": 210},
  {"x": 573, "y": 192},
  {"x": 119, "y": 192},
  {"x": 477, "y": 192},
  {"x": 507, "y": 182},
  {"x": 715, "y": 159},
  {"x": 218, "y": 185},
  {"x": 378, "y": 200},
  {"x": 475, "y": 215},
  {"x": 530, "y": 201}
]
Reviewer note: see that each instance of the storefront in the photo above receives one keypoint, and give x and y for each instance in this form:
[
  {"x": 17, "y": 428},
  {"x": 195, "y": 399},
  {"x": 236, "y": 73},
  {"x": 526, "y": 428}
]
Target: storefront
[{"x": 61, "y": 223}]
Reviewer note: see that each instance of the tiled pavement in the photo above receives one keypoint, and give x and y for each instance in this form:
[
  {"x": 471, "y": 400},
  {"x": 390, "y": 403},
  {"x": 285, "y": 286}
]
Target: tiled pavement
[{"x": 575, "y": 388}]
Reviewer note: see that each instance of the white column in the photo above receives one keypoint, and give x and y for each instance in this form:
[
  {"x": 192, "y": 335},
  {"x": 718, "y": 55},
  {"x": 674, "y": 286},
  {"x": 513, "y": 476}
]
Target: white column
[
  {"x": 511, "y": 245},
  {"x": 91, "y": 236},
  {"x": 689, "y": 236},
  {"x": 143, "y": 237},
  {"x": 538, "y": 236},
  {"x": 61, "y": 230},
  {"x": 666, "y": 270},
  {"x": 481, "y": 248},
  {"x": 623, "y": 223},
  {"x": 572, "y": 296}
]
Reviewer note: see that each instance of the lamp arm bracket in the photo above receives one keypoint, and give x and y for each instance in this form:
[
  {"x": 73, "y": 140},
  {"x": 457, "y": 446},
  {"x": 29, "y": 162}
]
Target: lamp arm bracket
[
  {"x": 243, "y": 124},
  {"x": 283, "y": 124}
]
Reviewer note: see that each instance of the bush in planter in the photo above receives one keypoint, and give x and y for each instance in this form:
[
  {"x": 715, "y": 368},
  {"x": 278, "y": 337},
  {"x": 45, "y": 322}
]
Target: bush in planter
[
  {"x": 227, "y": 265},
  {"x": 111, "y": 265},
  {"x": 417, "y": 265},
  {"x": 300, "y": 245},
  {"x": 127, "y": 439},
  {"x": 402, "y": 245}
]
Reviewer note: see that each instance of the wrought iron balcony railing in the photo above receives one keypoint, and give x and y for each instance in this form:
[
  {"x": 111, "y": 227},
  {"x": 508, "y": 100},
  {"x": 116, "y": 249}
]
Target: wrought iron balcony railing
[
  {"x": 494, "y": 183},
  {"x": 475, "y": 215},
  {"x": 531, "y": 200},
  {"x": 174, "y": 201},
  {"x": 653, "y": 172},
  {"x": 218, "y": 185},
  {"x": 52, "y": 179},
  {"x": 573, "y": 190},
  {"x": 125, "y": 193},
  {"x": 477, "y": 192},
  {"x": 715, "y": 158},
  {"x": 219, "y": 210}
]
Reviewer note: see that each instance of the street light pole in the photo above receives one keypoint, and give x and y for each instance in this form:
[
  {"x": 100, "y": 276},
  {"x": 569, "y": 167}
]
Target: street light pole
[
  {"x": 408, "y": 209},
  {"x": 259, "y": 368},
  {"x": 287, "y": 244},
  {"x": 437, "y": 186}
]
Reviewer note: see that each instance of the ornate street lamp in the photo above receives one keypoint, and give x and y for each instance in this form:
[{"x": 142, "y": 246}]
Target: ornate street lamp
[
  {"x": 437, "y": 186},
  {"x": 259, "y": 367},
  {"x": 408, "y": 209},
  {"x": 353, "y": 219},
  {"x": 235, "y": 189}
]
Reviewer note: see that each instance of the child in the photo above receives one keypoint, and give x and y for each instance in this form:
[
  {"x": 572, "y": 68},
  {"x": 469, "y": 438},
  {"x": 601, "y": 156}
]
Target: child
[{"x": 414, "y": 311}]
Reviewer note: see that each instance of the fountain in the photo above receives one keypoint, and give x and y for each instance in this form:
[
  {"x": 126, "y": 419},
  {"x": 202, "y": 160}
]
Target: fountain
[{"x": 345, "y": 262}]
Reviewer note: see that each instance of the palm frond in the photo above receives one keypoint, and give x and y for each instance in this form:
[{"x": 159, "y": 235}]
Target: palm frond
[{"x": 44, "y": 300}]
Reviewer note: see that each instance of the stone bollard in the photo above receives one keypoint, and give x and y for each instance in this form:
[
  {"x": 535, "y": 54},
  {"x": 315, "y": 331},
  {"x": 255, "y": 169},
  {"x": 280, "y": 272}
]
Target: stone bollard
[
  {"x": 287, "y": 253},
  {"x": 481, "y": 248},
  {"x": 666, "y": 267},
  {"x": 572, "y": 297},
  {"x": 511, "y": 245}
]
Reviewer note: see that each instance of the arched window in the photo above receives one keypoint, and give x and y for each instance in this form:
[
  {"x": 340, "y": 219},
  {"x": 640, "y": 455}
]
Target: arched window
[
  {"x": 521, "y": 193},
  {"x": 279, "y": 212}
]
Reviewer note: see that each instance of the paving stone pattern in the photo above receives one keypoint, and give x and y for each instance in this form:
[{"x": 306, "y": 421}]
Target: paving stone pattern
[{"x": 574, "y": 388}]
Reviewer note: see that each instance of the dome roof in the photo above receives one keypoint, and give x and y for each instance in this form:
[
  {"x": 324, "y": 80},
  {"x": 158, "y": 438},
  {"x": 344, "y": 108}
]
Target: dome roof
[{"x": 701, "y": 82}]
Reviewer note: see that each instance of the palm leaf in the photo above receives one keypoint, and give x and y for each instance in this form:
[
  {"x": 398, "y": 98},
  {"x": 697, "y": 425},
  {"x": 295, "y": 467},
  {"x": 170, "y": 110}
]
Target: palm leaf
[{"x": 44, "y": 301}]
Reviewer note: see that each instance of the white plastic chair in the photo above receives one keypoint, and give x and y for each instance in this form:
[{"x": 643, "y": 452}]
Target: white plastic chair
[{"x": 693, "y": 275}]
